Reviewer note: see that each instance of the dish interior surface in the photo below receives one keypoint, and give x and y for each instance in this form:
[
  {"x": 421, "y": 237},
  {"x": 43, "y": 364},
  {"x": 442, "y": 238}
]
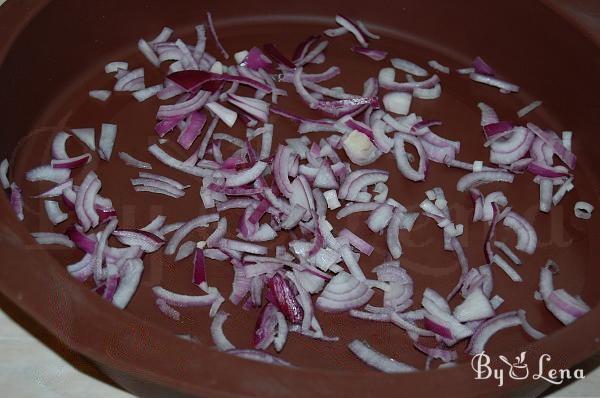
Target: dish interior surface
[{"x": 563, "y": 238}]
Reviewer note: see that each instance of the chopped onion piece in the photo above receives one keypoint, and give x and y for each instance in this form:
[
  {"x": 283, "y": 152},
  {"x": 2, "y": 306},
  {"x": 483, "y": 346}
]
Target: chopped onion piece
[
  {"x": 583, "y": 210},
  {"x": 101, "y": 95},
  {"x": 528, "y": 108},
  {"x": 51, "y": 238},
  {"x": 108, "y": 134},
  {"x": 87, "y": 136},
  {"x": 377, "y": 360},
  {"x": 226, "y": 115},
  {"x": 48, "y": 173},
  {"x": 397, "y": 102},
  {"x": 439, "y": 67},
  {"x": 4, "y": 174},
  {"x": 408, "y": 67},
  {"x": 216, "y": 331},
  {"x": 55, "y": 214}
]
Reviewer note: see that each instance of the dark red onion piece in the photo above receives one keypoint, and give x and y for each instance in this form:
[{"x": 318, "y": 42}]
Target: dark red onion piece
[
  {"x": 199, "y": 275},
  {"x": 285, "y": 299},
  {"x": 272, "y": 52}
]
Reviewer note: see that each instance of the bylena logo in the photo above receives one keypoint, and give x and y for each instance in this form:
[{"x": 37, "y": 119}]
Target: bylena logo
[{"x": 519, "y": 370}]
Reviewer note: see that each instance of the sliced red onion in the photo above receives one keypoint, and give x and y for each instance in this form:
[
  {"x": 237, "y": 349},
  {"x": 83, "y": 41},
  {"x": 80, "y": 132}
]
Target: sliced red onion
[
  {"x": 342, "y": 293},
  {"x": 438, "y": 353},
  {"x": 285, "y": 299},
  {"x": 247, "y": 176},
  {"x": 58, "y": 145},
  {"x": 48, "y": 173},
  {"x": 166, "y": 125},
  {"x": 402, "y": 157},
  {"x": 482, "y": 67},
  {"x": 406, "y": 324},
  {"x": 379, "y": 218},
  {"x": 196, "y": 102},
  {"x": 241, "y": 246},
  {"x": 351, "y": 27},
  {"x": 129, "y": 280},
  {"x": 555, "y": 144},
  {"x": 408, "y": 67},
  {"x": 130, "y": 80},
  {"x": 583, "y": 210},
  {"x": 16, "y": 201},
  {"x": 528, "y": 108},
  {"x": 393, "y": 231},
  {"x": 55, "y": 214},
  {"x": 490, "y": 327},
  {"x": 397, "y": 102},
  {"x": 185, "y": 229},
  {"x": 387, "y": 76},
  {"x": 526, "y": 236},
  {"x": 370, "y": 177},
  {"x": 428, "y": 93},
  {"x": 508, "y": 252},
  {"x": 147, "y": 241},
  {"x": 185, "y": 250},
  {"x": 71, "y": 163},
  {"x": 213, "y": 32},
  {"x": 81, "y": 240},
  {"x": 369, "y": 316},
  {"x": 377, "y": 360},
  {"x": 226, "y": 115},
  {"x": 567, "y": 137},
  {"x": 512, "y": 149},
  {"x": 192, "y": 80},
  {"x": 170, "y": 161},
  {"x": 562, "y": 191},
  {"x": 133, "y": 162},
  {"x": 51, "y": 238},
  {"x": 352, "y": 208},
  {"x": 315, "y": 55},
  {"x": 494, "y": 82},
  {"x": 193, "y": 127},
  {"x": 259, "y": 356},
  {"x": 161, "y": 191},
  {"x": 168, "y": 310},
  {"x": 546, "y": 187},
  {"x": 530, "y": 330},
  {"x": 488, "y": 115},
  {"x": 475, "y": 179},
  {"x": 216, "y": 331},
  {"x": 362, "y": 245},
  {"x": 476, "y": 306},
  {"x": 182, "y": 300},
  {"x": 82, "y": 269},
  {"x": 376, "y": 55},
  {"x": 148, "y": 52},
  {"x": 148, "y": 92},
  {"x": 439, "y": 67},
  {"x": 108, "y": 134},
  {"x": 4, "y": 174},
  {"x": 115, "y": 66}
]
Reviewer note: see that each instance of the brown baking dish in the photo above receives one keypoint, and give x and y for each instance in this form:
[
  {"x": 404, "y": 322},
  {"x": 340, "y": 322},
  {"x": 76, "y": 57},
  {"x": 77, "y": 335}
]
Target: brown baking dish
[{"x": 53, "y": 52}]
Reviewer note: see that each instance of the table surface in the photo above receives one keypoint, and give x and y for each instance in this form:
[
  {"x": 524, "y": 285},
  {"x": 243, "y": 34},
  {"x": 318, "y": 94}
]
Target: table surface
[{"x": 34, "y": 364}]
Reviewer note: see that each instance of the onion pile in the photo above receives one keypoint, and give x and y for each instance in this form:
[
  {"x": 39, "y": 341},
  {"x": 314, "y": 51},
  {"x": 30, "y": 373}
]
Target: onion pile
[{"x": 292, "y": 187}]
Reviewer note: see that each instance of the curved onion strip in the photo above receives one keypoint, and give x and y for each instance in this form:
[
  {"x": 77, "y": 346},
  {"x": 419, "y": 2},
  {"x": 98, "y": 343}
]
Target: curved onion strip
[
  {"x": 490, "y": 327},
  {"x": 185, "y": 229},
  {"x": 377, "y": 360},
  {"x": 216, "y": 331},
  {"x": 129, "y": 280},
  {"x": 477, "y": 178}
]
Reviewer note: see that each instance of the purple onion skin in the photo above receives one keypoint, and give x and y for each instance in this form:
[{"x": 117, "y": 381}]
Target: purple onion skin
[{"x": 285, "y": 300}]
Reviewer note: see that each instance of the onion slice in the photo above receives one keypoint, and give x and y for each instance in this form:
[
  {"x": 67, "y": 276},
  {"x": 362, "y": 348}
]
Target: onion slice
[{"x": 377, "y": 360}]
